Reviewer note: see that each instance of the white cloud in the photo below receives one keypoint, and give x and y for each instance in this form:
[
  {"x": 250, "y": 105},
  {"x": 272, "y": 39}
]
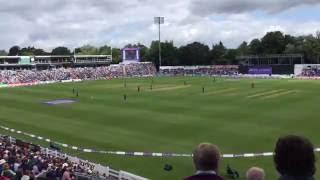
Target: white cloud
[
  {"x": 207, "y": 7},
  {"x": 50, "y": 23}
]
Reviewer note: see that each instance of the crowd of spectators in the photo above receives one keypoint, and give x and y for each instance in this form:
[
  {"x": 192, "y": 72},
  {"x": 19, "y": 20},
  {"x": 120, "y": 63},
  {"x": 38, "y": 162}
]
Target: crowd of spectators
[
  {"x": 200, "y": 70},
  {"x": 310, "y": 72},
  {"x": 84, "y": 73},
  {"x": 25, "y": 161},
  {"x": 294, "y": 159},
  {"x": 140, "y": 69}
]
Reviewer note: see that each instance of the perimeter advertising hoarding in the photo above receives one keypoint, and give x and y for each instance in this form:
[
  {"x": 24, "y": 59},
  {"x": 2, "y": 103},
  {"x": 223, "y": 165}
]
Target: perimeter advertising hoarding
[{"x": 260, "y": 70}]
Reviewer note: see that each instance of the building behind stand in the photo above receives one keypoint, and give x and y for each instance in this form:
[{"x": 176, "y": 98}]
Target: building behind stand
[{"x": 49, "y": 62}]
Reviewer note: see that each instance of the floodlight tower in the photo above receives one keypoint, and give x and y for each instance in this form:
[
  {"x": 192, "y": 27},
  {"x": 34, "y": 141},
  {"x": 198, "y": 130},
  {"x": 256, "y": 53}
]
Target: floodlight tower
[{"x": 159, "y": 21}]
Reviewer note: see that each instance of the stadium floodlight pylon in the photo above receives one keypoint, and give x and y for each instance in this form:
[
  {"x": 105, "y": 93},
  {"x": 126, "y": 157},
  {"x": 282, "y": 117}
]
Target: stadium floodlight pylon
[{"x": 159, "y": 20}]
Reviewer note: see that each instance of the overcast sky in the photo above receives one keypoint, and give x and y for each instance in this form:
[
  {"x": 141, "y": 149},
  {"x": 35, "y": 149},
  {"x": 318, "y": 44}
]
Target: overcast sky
[{"x": 50, "y": 23}]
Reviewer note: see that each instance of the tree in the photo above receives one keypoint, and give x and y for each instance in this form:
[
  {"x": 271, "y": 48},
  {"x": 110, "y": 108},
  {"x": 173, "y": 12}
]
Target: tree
[
  {"x": 104, "y": 50},
  {"x": 217, "y": 53},
  {"x": 87, "y": 50},
  {"x": 311, "y": 49},
  {"x": 318, "y": 35},
  {"x": 255, "y": 47},
  {"x": 61, "y": 51},
  {"x": 129, "y": 46},
  {"x": 27, "y": 51},
  {"x": 14, "y": 51},
  {"x": 169, "y": 53},
  {"x": 243, "y": 49},
  {"x": 144, "y": 50},
  {"x": 3, "y": 53},
  {"x": 290, "y": 49},
  {"x": 288, "y": 39},
  {"x": 194, "y": 54},
  {"x": 230, "y": 56},
  {"x": 273, "y": 43},
  {"x": 40, "y": 52},
  {"x": 32, "y": 51},
  {"x": 77, "y": 50},
  {"x": 116, "y": 55},
  {"x": 153, "y": 53}
]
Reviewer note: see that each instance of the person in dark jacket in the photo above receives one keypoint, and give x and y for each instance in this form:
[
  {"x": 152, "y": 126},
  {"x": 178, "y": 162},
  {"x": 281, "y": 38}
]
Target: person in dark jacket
[
  {"x": 206, "y": 159},
  {"x": 294, "y": 158}
]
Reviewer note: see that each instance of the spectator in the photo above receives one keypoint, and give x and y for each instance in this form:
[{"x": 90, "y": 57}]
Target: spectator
[
  {"x": 26, "y": 175},
  {"x": 294, "y": 158},
  {"x": 67, "y": 175},
  {"x": 255, "y": 173},
  {"x": 2, "y": 161},
  {"x": 7, "y": 172},
  {"x": 21, "y": 160},
  {"x": 206, "y": 159}
]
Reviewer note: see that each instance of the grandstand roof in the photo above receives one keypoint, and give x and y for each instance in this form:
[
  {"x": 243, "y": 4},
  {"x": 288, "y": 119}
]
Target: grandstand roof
[
  {"x": 270, "y": 56},
  {"x": 12, "y": 57},
  {"x": 55, "y": 56}
]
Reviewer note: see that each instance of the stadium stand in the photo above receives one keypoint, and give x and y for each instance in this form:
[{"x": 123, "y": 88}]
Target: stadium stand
[
  {"x": 21, "y": 160},
  {"x": 199, "y": 70},
  {"x": 27, "y": 77},
  {"x": 307, "y": 71},
  {"x": 83, "y": 73},
  {"x": 229, "y": 71}
]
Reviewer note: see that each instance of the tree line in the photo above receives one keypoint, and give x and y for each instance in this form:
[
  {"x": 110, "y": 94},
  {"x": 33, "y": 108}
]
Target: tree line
[{"x": 197, "y": 53}]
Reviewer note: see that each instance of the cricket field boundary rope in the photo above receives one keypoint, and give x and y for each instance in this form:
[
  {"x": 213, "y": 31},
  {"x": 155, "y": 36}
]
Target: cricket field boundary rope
[{"x": 129, "y": 153}]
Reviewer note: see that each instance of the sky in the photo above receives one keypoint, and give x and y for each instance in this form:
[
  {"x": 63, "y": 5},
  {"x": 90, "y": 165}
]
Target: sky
[{"x": 50, "y": 23}]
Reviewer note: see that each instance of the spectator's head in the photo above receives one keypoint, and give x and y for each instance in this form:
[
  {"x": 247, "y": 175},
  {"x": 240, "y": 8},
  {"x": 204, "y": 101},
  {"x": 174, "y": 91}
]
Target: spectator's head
[
  {"x": 294, "y": 156},
  {"x": 255, "y": 173},
  {"x": 206, "y": 157},
  {"x": 6, "y": 166}
]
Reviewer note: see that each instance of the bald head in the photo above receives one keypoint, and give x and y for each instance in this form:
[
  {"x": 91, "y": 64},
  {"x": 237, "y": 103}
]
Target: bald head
[
  {"x": 255, "y": 173},
  {"x": 206, "y": 157}
]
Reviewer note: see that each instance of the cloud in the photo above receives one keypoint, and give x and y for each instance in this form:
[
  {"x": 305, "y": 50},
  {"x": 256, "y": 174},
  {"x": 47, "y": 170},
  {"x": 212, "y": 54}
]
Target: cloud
[
  {"x": 50, "y": 23},
  {"x": 208, "y": 7},
  {"x": 233, "y": 30}
]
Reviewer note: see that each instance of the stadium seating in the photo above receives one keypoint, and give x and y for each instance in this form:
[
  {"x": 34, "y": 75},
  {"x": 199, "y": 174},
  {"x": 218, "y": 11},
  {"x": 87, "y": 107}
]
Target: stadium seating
[
  {"x": 85, "y": 73},
  {"x": 21, "y": 160},
  {"x": 199, "y": 70},
  {"x": 24, "y": 159}
]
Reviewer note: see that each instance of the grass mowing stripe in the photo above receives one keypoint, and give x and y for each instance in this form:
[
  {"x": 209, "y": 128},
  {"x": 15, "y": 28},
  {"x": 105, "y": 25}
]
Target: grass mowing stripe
[
  {"x": 172, "y": 88},
  {"x": 279, "y": 94},
  {"x": 221, "y": 91},
  {"x": 265, "y": 93}
]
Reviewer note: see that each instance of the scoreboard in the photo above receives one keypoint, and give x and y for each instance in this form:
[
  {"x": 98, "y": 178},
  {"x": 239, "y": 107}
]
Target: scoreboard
[{"x": 130, "y": 55}]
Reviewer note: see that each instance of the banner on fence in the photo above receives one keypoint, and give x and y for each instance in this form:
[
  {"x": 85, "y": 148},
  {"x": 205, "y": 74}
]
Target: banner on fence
[{"x": 260, "y": 70}]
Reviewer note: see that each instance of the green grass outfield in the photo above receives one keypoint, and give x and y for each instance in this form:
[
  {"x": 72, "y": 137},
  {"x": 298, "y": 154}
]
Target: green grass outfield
[{"x": 173, "y": 117}]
